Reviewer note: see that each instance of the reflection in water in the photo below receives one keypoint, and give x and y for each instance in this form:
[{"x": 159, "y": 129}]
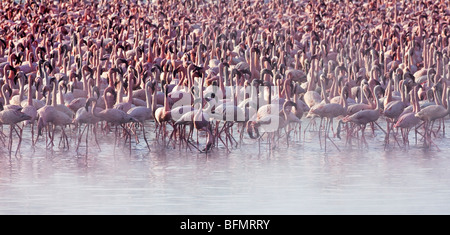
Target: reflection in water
[{"x": 301, "y": 179}]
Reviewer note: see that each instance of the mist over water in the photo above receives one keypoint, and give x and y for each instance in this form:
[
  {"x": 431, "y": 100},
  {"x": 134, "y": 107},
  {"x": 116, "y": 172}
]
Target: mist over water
[{"x": 299, "y": 179}]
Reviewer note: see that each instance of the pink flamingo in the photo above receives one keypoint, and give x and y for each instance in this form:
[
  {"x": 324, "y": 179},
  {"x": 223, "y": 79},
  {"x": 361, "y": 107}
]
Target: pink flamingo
[
  {"x": 354, "y": 108},
  {"x": 30, "y": 110},
  {"x": 141, "y": 113},
  {"x": 49, "y": 114},
  {"x": 430, "y": 114},
  {"x": 331, "y": 111},
  {"x": 409, "y": 120},
  {"x": 392, "y": 111},
  {"x": 11, "y": 117},
  {"x": 364, "y": 117},
  {"x": 111, "y": 115},
  {"x": 6, "y": 91},
  {"x": 201, "y": 120},
  {"x": 85, "y": 116},
  {"x": 163, "y": 115},
  {"x": 125, "y": 106},
  {"x": 271, "y": 122}
]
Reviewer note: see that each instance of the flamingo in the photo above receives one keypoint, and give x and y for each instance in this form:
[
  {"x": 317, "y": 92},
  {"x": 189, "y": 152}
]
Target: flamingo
[
  {"x": 163, "y": 115},
  {"x": 80, "y": 102},
  {"x": 430, "y": 114},
  {"x": 271, "y": 122},
  {"x": 141, "y": 113},
  {"x": 392, "y": 111},
  {"x": 202, "y": 120},
  {"x": 85, "y": 116},
  {"x": 111, "y": 115},
  {"x": 125, "y": 106},
  {"x": 30, "y": 110},
  {"x": 61, "y": 107},
  {"x": 6, "y": 91},
  {"x": 11, "y": 117},
  {"x": 49, "y": 114},
  {"x": 331, "y": 111},
  {"x": 363, "y": 117},
  {"x": 409, "y": 120},
  {"x": 354, "y": 108}
]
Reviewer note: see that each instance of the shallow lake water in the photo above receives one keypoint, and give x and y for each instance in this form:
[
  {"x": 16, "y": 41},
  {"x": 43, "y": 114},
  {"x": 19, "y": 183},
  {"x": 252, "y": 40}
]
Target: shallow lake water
[{"x": 299, "y": 179}]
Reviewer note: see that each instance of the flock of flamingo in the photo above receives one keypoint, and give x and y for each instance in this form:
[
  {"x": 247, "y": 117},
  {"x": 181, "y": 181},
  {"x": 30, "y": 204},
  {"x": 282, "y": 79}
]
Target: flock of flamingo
[{"x": 229, "y": 69}]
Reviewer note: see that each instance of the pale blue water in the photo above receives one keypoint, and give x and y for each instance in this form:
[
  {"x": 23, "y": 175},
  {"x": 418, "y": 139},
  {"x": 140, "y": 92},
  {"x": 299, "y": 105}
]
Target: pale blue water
[{"x": 301, "y": 179}]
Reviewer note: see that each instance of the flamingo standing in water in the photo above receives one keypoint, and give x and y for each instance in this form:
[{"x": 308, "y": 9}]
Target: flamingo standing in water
[
  {"x": 101, "y": 40},
  {"x": 111, "y": 115},
  {"x": 409, "y": 120},
  {"x": 331, "y": 111},
  {"x": 144, "y": 113},
  {"x": 271, "y": 122},
  {"x": 30, "y": 110},
  {"x": 364, "y": 117},
  {"x": 85, "y": 116},
  {"x": 125, "y": 106},
  {"x": 432, "y": 113},
  {"x": 392, "y": 111},
  {"x": 201, "y": 119},
  {"x": 11, "y": 117},
  {"x": 163, "y": 115},
  {"x": 51, "y": 114}
]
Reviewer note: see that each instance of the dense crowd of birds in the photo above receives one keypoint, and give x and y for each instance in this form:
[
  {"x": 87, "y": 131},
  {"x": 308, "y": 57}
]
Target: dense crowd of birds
[{"x": 252, "y": 67}]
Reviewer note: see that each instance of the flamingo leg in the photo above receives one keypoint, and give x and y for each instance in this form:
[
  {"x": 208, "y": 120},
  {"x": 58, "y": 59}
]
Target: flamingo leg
[
  {"x": 363, "y": 137},
  {"x": 328, "y": 137},
  {"x": 81, "y": 136},
  {"x": 94, "y": 129},
  {"x": 87, "y": 143},
  {"x": 10, "y": 140},
  {"x": 312, "y": 121},
  {"x": 320, "y": 128},
  {"x": 20, "y": 139},
  {"x": 241, "y": 136},
  {"x": 145, "y": 137}
]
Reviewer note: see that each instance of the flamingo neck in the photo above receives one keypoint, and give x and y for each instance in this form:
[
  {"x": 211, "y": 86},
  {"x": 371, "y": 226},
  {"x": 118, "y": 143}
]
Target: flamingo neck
[
  {"x": 416, "y": 100},
  {"x": 444, "y": 95},
  {"x": 361, "y": 94},
  {"x": 119, "y": 96},
  {"x": 284, "y": 111},
  {"x": 85, "y": 85},
  {"x": 61, "y": 95},
  {"x": 377, "y": 102},
  {"x": 436, "y": 98},
  {"x": 148, "y": 96},
  {"x": 54, "y": 94},
  {"x": 388, "y": 93},
  {"x": 150, "y": 52},
  {"x": 130, "y": 90},
  {"x": 21, "y": 88},
  {"x": 105, "y": 98},
  {"x": 94, "y": 107},
  {"x": 402, "y": 93},
  {"x": 448, "y": 102},
  {"x": 166, "y": 102},
  {"x": 99, "y": 71},
  {"x": 5, "y": 96},
  {"x": 29, "y": 98}
]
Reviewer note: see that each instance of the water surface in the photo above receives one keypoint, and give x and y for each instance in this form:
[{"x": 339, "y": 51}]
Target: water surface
[{"x": 299, "y": 179}]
